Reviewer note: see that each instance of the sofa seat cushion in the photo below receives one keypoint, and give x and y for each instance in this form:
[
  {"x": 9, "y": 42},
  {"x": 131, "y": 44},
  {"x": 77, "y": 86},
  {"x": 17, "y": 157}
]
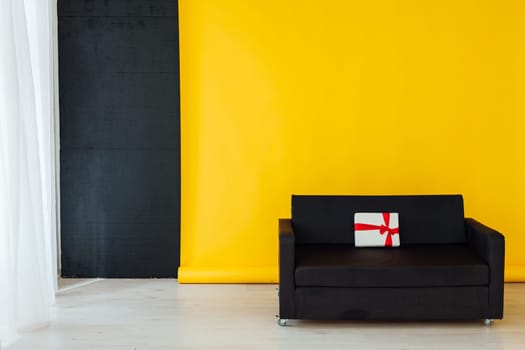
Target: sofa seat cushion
[{"x": 321, "y": 265}]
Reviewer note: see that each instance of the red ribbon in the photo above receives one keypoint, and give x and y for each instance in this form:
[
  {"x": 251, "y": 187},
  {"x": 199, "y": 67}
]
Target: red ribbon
[{"x": 382, "y": 229}]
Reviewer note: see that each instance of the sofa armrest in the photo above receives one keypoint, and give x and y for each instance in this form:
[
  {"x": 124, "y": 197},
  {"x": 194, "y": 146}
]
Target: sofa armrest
[
  {"x": 286, "y": 269},
  {"x": 489, "y": 244}
]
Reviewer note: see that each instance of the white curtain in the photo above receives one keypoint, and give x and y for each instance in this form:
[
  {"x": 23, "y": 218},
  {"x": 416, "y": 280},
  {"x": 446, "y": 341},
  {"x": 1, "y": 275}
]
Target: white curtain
[{"x": 28, "y": 224}]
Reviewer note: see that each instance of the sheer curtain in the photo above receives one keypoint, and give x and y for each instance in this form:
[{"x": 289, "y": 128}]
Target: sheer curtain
[{"x": 28, "y": 224}]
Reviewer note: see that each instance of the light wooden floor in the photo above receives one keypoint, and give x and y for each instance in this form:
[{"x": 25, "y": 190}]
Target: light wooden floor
[{"x": 161, "y": 314}]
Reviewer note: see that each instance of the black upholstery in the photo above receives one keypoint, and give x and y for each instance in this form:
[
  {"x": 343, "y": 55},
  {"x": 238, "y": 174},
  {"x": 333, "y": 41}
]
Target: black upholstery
[
  {"x": 490, "y": 245},
  {"x": 445, "y": 303},
  {"x": 286, "y": 267},
  {"x": 422, "y": 219},
  {"x": 332, "y": 265},
  {"x": 447, "y": 267}
]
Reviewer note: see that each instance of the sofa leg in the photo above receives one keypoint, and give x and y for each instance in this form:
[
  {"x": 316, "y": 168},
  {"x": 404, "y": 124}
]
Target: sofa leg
[
  {"x": 488, "y": 322},
  {"x": 282, "y": 322}
]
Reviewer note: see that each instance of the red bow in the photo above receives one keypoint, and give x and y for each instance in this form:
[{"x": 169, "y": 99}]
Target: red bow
[{"x": 382, "y": 229}]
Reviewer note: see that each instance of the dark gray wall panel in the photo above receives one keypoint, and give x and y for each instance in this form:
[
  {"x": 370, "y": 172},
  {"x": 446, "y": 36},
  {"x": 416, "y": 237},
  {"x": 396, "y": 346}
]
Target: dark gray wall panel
[
  {"x": 125, "y": 8},
  {"x": 123, "y": 110},
  {"x": 120, "y": 138},
  {"x": 119, "y": 44}
]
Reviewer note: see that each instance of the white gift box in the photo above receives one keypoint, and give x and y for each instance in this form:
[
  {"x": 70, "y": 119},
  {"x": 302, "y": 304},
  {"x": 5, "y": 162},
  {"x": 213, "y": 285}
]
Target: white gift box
[{"x": 376, "y": 229}]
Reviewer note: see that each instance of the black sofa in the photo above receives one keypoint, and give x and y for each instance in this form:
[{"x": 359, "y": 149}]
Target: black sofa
[{"x": 447, "y": 267}]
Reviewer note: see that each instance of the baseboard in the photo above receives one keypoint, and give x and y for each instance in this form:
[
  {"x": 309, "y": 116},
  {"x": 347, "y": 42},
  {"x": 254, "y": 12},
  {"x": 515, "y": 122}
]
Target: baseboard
[
  {"x": 270, "y": 274},
  {"x": 264, "y": 274},
  {"x": 515, "y": 273}
]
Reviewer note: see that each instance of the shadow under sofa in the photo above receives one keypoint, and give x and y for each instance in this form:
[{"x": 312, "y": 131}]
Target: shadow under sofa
[{"x": 447, "y": 267}]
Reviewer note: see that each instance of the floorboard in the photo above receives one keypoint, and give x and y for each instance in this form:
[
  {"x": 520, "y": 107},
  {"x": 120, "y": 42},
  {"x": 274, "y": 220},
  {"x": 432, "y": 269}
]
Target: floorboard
[{"x": 161, "y": 314}]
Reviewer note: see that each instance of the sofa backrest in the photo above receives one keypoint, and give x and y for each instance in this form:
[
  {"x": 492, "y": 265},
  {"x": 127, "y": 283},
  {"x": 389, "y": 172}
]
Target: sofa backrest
[{"x": 432, "y": 219}]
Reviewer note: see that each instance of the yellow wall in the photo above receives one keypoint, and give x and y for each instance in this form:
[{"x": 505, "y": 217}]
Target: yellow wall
[{"x": 344, "y": 97}]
